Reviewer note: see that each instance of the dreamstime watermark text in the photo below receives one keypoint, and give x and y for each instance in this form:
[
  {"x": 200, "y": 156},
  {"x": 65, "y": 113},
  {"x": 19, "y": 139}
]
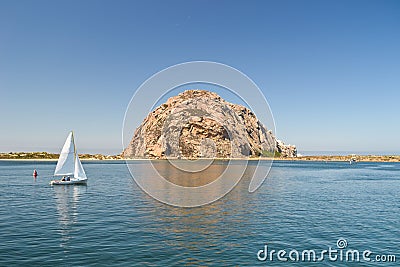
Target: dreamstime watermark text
[{"x": 338, "y": 253}]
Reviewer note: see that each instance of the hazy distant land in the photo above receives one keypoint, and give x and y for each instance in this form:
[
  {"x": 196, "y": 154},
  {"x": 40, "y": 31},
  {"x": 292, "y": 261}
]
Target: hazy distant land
[{"x": 53, "y": 156}]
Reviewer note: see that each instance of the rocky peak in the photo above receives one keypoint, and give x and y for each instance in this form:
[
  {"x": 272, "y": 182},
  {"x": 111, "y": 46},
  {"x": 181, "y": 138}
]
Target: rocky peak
[{"x": 199, "y": 123}]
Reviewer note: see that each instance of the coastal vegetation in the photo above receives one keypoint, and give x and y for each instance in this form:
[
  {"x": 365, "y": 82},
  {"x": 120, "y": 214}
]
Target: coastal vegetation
[
  {"x": 270, "y": 154},
  {"x": 53, "y": 156},
  {"x": 357, "y": 158}
]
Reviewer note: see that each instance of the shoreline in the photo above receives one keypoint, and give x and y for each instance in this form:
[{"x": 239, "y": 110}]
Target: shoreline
[{"x": 330, "y": 158}]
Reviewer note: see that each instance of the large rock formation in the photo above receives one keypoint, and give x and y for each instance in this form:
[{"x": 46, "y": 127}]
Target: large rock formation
[{"x": 198, "y": 123}]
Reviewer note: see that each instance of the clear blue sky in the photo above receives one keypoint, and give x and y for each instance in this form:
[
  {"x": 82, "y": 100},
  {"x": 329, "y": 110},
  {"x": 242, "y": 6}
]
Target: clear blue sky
[{"x": 329, "y": 69}]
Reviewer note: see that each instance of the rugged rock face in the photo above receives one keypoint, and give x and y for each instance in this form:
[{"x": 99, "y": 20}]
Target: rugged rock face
[
  {"x": 286, "y": 150},
  {"x": 198, "y": 123}
]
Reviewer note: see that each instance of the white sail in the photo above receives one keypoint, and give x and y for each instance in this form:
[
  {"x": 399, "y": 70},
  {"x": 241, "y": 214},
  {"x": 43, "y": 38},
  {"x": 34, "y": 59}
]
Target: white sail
[
  {"x": 66, "y": 162},
  {"x": 79, "y": 171}
]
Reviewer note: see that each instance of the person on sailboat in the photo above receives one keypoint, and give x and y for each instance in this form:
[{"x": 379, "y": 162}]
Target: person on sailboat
[
  {"x": 63, "y": 179},
  {"x": 68, "y": 178}
]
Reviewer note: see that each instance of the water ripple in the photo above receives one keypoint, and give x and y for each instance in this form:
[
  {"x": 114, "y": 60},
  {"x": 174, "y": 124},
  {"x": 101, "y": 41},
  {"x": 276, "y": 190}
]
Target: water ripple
[{"x": 111, "y": 222}]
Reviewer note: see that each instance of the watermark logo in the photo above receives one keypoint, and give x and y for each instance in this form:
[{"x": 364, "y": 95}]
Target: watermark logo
[
  {"x": 340, "y": 253},
  {"x": 341, "y": 243},
  {"x": 178, "y": 184}
]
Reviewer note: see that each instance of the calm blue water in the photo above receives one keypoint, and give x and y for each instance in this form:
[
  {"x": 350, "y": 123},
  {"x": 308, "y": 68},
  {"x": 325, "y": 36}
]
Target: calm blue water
[{"x": 111, "y": 222}]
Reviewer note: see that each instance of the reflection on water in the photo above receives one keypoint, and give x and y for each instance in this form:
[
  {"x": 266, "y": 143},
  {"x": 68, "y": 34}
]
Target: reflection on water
[
  {"x": 176, "y": 174},
  {"x": 66, "y": 200},
  {"x": 166, "y": 183},
  {"x": 191, "y": 234}
]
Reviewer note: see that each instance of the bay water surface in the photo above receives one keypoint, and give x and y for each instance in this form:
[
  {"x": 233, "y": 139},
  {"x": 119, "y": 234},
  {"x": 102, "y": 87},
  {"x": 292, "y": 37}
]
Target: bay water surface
[{"x": 112, "y": 222}]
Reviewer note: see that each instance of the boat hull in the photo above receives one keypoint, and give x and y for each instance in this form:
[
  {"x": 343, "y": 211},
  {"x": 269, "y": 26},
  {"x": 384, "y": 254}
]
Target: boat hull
[{"x": 70, "y": 182}]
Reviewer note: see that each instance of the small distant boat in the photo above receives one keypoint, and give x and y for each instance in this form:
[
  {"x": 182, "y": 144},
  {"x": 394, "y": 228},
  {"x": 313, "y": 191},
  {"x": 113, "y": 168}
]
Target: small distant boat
[
  {"x": 352, "y": 160},
  {"x": 69, "y": 166}
]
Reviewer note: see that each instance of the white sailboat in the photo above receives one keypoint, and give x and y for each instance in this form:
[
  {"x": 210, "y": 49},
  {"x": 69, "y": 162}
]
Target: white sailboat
[{"x": 69, "y": 165}]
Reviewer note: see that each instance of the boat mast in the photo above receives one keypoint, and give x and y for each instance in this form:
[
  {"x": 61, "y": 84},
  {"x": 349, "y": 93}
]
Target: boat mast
[{"x": 73, "y": 141}]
